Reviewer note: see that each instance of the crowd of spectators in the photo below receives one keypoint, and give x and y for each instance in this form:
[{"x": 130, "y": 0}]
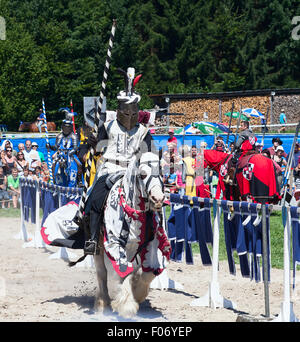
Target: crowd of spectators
[
  {"x": 181, "y": 177},
  {"x": 26, "y": 161}
]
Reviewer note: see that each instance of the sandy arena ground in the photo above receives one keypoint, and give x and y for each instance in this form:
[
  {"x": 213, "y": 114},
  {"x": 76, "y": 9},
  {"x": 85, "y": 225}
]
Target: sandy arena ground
[{"x": 34, "y": 288}]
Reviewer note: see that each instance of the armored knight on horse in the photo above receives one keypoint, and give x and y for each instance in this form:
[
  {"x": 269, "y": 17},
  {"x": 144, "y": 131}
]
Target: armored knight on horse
[
  {"x": 123, "y": 139},
  {"x": 66, "y": 163},
  {"x": 245, "y": 174},
  {"x": 122, "y": 225}
]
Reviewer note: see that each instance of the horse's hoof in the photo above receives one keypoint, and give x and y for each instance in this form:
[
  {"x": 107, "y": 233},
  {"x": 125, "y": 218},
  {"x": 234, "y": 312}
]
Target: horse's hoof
[{"x": 100, "y": 306}]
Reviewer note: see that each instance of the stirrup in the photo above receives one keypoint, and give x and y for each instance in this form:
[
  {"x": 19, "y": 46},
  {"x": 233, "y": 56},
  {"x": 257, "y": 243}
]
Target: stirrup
[{"x": 91, "y": 247}]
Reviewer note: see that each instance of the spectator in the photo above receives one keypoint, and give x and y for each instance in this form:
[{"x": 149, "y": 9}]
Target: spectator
[
  {"x": 4, "y": 196},
  {"x": 38, "y": 173},
  {"x": 6, "y": 143},
  {"x": 219, "y": 145},
  {"x": 296, "y": 155},
  {"x": 278, "y": 158},
  {"x": 171, "y": 138},
  {"x": 203, "y": 145},
  {"x": 35, "y": 146},
  {"x": 13, "y": 186},
  {"x": 189, "y": 175},
  {"x": 27, "y": 150},
  {"x": 276, "y": 142},
  {"x": 170, "y": 180},
  {"x": 282, "y": 121},
  {"x": 33, "y": 155},
  {"x": 26, "y": 173},
  {"x": 263, "y": 123},
  {"x": 46, "y": 176},
  {"x": 213, "y": 181},
  {"x": 21, "y": 147},
  {"x": 9, "y": 161},
  {"x": 296, "y": 174},
  {"x": 2, "y": 154},
  {"x": 179, "y": 183},
  {"x": 170, "y": 158},
  {"x": 21, "y": 163}
]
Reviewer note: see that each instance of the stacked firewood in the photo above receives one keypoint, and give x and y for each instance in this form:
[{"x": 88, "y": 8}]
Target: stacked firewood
[
  {"x": 290, "y": 105},
  {"x": 209, "y": 109}
]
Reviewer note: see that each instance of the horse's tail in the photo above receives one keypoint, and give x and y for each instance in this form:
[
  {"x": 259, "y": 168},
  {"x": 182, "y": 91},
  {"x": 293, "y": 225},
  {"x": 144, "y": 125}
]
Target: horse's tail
[{"x": 125, "y": 303}]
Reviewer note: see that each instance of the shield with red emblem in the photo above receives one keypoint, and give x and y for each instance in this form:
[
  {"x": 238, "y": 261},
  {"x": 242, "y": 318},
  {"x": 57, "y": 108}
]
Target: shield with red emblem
[
  {"x": 248, "y": 171},
  {"x": 223, "y": 170}
]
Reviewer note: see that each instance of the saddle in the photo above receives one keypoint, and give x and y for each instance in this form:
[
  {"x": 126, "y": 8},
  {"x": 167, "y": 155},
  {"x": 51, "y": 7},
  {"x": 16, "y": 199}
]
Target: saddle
[
  {"x": 113, "y": 178},
  {"x": 232, "y": 167}
]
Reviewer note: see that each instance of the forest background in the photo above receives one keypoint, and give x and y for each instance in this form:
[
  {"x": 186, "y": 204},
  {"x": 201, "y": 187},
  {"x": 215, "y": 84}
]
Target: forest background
[{"x": 56, "y": 50}]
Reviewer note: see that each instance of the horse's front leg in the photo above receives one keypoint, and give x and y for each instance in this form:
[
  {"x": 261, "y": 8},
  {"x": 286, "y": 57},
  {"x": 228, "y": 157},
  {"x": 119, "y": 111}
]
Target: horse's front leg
[
  {"x": 141, "y": 285},
  {"x": 102, "y": 300},
  {"x": 120, "y": 292}
]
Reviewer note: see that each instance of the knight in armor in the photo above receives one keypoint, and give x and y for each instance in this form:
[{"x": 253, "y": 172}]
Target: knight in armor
[
  {"x": 66, "y": 141},
  {"x": 123, "y": 138},
  {"x": 244, "y": 145},
  {"x": 246, "y": 140}
]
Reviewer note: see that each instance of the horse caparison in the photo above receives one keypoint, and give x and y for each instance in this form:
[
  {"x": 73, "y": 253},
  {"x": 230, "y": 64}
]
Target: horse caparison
[{"x": 262, "y": 184}]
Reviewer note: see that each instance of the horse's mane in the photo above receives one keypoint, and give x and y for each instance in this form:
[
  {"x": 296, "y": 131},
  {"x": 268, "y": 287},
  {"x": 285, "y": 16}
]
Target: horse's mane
[{"x": 129, "y": 179}]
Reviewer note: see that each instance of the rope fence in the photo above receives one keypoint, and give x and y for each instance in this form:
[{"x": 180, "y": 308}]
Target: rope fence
[{"x": 194, "y": 219}]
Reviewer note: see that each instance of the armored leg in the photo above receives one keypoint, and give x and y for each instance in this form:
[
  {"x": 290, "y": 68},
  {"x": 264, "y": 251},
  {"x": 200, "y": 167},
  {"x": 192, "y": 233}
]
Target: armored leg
[{"x": 91, "y": 246}]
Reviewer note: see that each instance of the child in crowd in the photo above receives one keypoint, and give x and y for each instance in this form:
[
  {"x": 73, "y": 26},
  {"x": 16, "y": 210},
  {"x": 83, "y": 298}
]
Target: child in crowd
[
  {"x": 297, "y": 182},
  {"x": 4, "y": 196},
  {"x": 13, "y": 186}
]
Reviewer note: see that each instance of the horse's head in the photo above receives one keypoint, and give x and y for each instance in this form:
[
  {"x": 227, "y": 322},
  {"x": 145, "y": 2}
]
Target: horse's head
[
  {"x": 62, "y": 160},
  {"x": 149, "y": 172}
]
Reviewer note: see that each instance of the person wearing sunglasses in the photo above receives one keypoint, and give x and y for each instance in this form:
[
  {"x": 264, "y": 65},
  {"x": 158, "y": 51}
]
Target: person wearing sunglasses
[
  {"x": 9, "y": 161},
  {"x": 21, "y": 163}
]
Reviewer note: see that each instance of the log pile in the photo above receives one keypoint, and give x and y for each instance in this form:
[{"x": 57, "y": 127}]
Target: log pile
[
  {"x": 290, "y": 105},
  {"x": 208, "y": 109},
  {"x": 195, "y": 109}
]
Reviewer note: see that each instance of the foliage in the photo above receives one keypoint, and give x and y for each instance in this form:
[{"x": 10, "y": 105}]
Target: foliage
[{"x": 56, "y": 50}]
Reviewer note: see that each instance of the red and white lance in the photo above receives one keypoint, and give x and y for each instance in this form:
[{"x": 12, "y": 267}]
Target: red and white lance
[{"x": 96, "y": 122}]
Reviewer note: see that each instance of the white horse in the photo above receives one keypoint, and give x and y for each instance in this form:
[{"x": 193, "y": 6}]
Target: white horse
[{"x": 132, "y": 251}]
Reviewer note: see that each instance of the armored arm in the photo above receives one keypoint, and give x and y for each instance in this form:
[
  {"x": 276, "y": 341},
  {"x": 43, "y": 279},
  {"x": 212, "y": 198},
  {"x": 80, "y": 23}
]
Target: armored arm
[{"x": 74, "y": 144}]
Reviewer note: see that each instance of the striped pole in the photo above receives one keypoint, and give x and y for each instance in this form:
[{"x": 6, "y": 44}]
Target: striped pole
[
  {"x": 47, "y": 141},
  {"x": 97, "y": 121},
  {"x": 73, "y": 119}
]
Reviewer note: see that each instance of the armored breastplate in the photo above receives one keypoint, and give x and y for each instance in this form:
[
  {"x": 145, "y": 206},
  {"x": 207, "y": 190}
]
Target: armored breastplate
[{"x": 122, "y": 145}]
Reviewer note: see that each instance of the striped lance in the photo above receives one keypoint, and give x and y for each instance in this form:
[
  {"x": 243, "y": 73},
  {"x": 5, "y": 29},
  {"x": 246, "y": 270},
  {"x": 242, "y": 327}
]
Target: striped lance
[
  {"x": 47, "y": 140},
  {"x": 97, "y": 121}
]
